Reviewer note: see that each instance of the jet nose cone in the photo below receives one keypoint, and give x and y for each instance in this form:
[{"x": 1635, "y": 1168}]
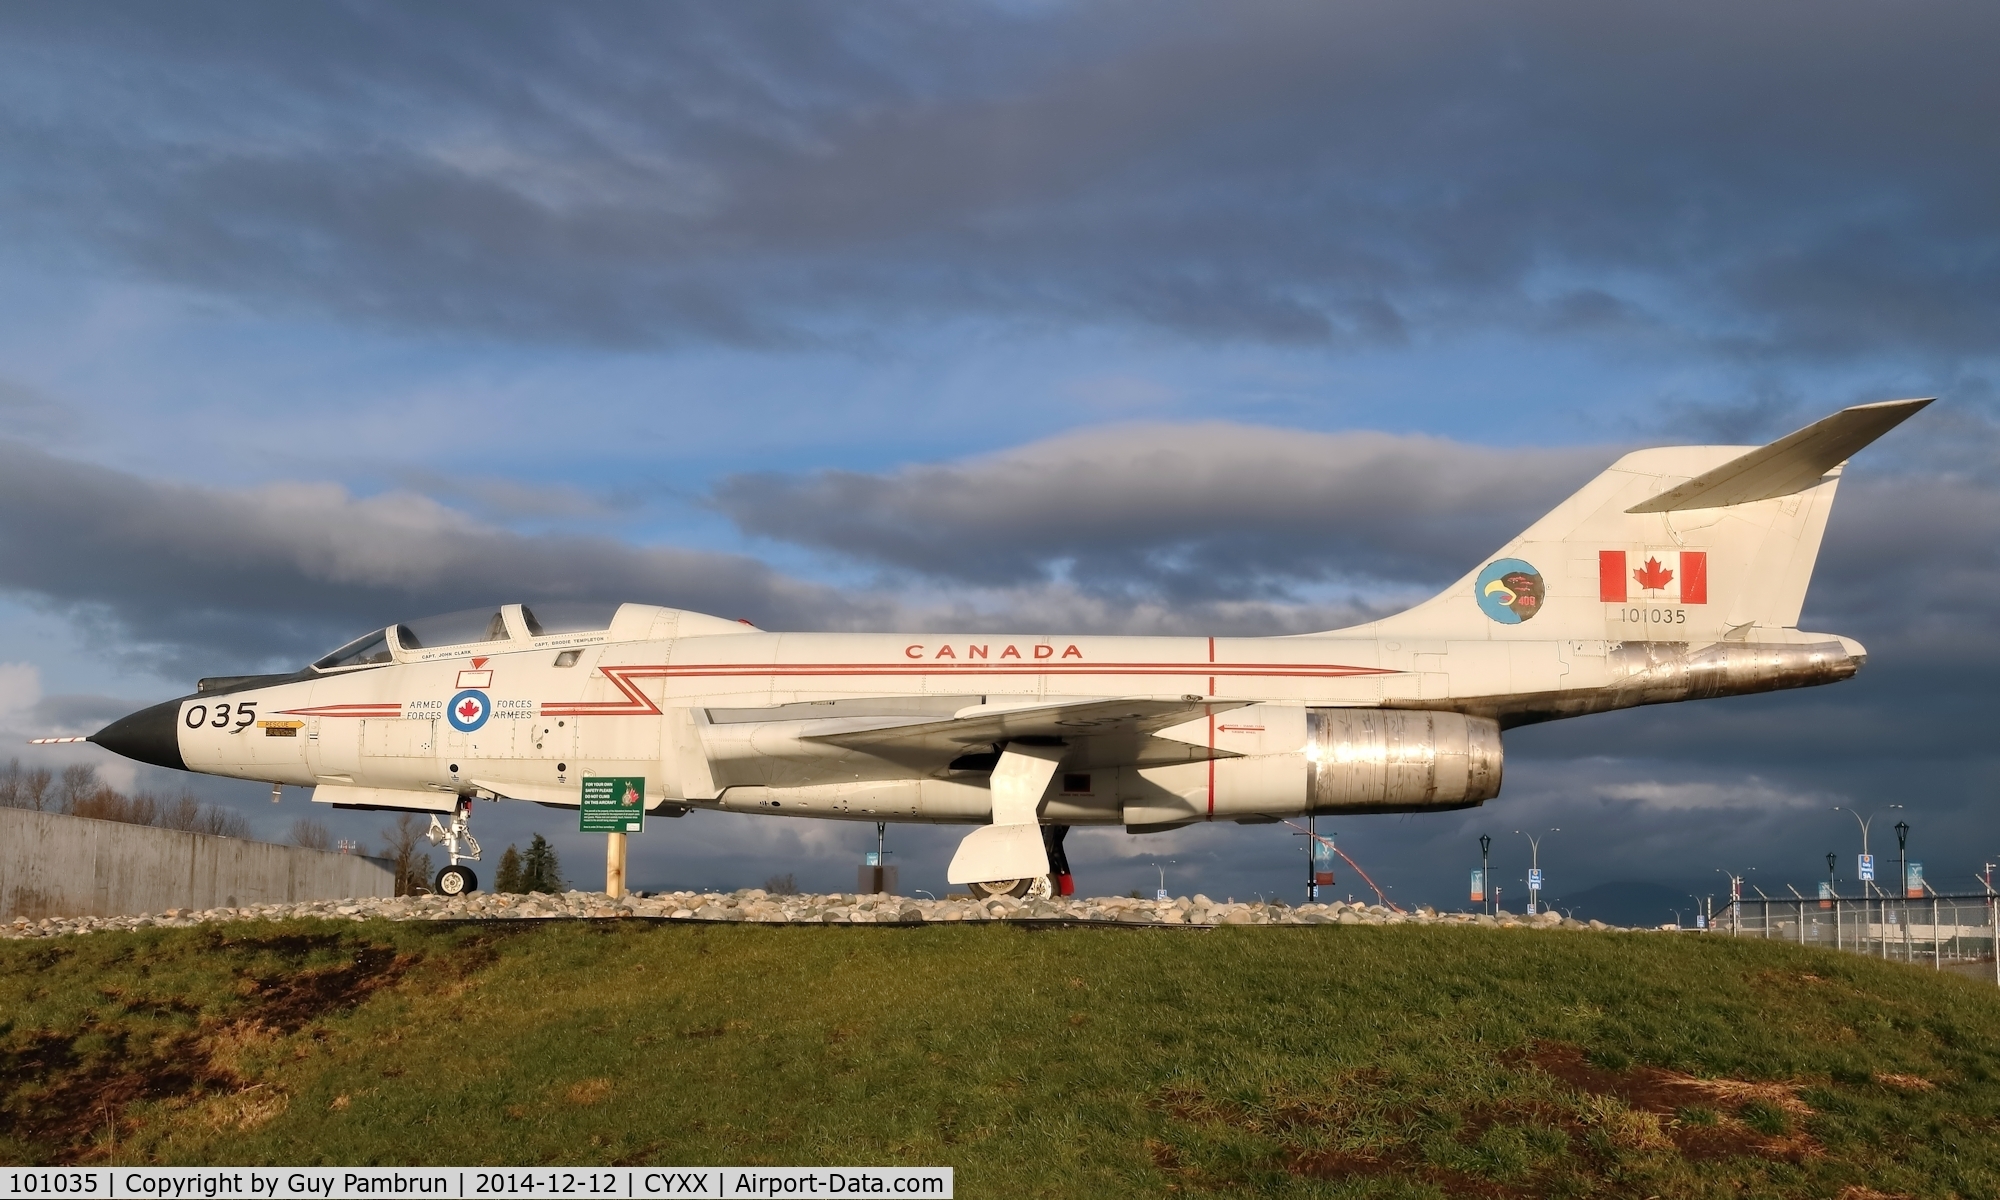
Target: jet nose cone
[{"x": 151, "y": 735}]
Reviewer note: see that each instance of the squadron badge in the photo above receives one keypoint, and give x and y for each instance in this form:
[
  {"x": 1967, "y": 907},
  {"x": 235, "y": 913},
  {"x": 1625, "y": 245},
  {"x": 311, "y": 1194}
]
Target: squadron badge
[{"x": 1510, "y": 591}]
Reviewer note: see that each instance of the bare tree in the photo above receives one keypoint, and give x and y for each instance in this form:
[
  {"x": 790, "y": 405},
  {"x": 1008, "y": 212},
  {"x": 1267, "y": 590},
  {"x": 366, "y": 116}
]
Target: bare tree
[
  {"x": 311, "y": 834},
  {"x": 399, "y": 846},
  {"x": 35, "y": 789},
  {"x": 190, "y": 815},
  {"x": 107, "y": 804},
  {"x": 79, "y": 785},
  {"x": 183, "y": 813},
  {"x": 221, "y": 822},
  {"x": 80, "y": 793}
]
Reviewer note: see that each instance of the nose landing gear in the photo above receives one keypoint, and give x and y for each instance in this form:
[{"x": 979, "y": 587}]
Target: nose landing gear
[{"x": 455, "y": 880}]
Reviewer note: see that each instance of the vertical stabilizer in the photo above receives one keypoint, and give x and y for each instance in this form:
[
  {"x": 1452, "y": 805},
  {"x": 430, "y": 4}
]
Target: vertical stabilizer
[{"x": 1681, "y": 543}]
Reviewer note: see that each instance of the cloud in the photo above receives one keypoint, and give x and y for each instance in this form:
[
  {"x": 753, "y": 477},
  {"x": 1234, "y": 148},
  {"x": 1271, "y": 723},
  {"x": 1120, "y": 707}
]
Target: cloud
[
  {"x": 202, "y": 580},
  {"x": 207, "y": 578},
  {"x": 1690, "y": 795},
  {"x": 513, "y": 500},
  {"x": 1367, "y": 174},
  {"x": 20, "y": 689},
  {"x": 1182, "y": 512}
]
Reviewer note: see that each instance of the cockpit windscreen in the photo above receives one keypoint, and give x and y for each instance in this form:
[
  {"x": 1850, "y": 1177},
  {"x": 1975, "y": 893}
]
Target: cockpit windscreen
[
  {"x": 366, "y": 650},
  {"x": 551, "y": 617},
  {"x": 453, "y": 629}
]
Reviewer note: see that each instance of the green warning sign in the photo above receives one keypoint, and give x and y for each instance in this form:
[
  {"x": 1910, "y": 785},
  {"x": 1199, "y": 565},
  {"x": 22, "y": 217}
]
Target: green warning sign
[{"x": 613, "y": 804}]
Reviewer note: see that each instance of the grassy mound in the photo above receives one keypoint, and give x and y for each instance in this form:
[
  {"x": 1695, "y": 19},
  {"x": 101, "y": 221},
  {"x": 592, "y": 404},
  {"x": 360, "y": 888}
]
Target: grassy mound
[{"x": 1313, "y": 1061}]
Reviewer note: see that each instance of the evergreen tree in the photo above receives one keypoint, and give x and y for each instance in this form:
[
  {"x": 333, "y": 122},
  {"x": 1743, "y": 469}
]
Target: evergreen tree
[
  {"x": 539, "y": 870},
  {"x": 508, "y": 879}
]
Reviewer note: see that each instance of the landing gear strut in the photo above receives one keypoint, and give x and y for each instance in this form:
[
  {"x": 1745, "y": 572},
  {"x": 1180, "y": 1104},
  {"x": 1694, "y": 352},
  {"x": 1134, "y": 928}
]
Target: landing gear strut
[
  {"x": 1052, "y": 840},
  {"x": 455, "y": 880}
]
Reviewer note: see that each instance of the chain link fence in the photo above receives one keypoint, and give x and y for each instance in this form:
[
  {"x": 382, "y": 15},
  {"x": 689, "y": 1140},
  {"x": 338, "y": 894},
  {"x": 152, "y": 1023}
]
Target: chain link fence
[{"x": 1956, "y": 933}]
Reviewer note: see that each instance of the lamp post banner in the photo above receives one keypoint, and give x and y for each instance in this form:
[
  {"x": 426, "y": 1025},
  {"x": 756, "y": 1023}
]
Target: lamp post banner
[{"x": 1865, "y": 868}]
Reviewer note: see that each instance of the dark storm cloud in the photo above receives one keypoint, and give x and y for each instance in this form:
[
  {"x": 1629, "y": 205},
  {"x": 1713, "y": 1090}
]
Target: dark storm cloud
[
  {"x": 1782, "y": 178},
  {"x": 198, "y": 580},
  {"x": 1186, "y": 512},
  {"x": 203, "y": 579}
]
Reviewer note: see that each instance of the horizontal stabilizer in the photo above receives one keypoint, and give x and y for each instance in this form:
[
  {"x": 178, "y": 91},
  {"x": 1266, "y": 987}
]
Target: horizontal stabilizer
[{"x": 1790, "y": 464}]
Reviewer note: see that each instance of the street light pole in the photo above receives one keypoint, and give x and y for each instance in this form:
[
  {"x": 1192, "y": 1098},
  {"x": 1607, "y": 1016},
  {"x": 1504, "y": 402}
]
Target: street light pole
[
  {"x": 1535, "y": 866},
  {"x": 1903, "y": 884},
  {"x": 1864, "y": 822},
  {"x": 1486, "y": 873},
  {"x": 1869, "y": 859},
  {"x": 1736, "y": 899},
  {"x": 1902, "y": 859}
]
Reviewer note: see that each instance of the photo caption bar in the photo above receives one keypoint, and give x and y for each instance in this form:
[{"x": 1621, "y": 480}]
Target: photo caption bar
[{"x": 469, "y": 1183}]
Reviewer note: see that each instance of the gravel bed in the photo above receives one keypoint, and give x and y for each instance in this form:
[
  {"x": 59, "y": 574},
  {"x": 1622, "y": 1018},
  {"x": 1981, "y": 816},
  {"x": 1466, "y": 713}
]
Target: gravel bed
[{"x": 757, "y": 905}]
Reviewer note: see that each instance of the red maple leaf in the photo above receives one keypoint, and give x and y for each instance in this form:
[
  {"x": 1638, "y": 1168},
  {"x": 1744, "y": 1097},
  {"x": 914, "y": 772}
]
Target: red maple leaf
[
  {"x": 469, "y": 709},
  {"x": 1653, "y": 576}
]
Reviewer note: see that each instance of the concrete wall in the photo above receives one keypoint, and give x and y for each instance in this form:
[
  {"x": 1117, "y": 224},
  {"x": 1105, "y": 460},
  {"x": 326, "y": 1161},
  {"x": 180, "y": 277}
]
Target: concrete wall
[{"x": 57, "y": 866}]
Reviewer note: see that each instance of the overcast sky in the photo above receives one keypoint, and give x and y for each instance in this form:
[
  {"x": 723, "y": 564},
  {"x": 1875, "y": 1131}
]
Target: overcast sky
[{"x": 1122, "y": 317}]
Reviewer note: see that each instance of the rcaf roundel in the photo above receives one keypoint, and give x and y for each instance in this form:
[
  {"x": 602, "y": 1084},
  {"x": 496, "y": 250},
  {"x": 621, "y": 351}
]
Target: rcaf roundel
[
  {"x": 468, "y": 711},
  {"x": 1679, "y": 575}
]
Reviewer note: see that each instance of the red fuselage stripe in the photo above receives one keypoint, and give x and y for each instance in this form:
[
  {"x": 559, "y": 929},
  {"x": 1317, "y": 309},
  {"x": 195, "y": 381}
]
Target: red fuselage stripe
[{"x": 636, "y": 702}]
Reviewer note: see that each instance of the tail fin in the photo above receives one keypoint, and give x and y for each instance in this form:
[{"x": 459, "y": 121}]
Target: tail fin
[{"x": 1687, "y": 543}]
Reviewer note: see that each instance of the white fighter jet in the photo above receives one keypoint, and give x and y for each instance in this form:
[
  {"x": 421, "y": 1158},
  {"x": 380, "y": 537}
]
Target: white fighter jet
[{"x": 1677, "y": 574}]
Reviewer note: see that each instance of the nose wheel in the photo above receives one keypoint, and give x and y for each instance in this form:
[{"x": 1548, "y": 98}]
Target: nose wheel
[{"x": 458, "y": 842}]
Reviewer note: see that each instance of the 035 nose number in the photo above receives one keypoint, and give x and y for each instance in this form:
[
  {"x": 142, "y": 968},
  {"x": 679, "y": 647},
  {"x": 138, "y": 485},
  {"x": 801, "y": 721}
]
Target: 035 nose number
[{"x": 243, "y": 712}]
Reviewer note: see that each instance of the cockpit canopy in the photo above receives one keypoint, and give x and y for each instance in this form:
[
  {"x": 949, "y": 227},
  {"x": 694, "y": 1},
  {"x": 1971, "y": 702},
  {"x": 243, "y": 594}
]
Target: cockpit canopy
[{"x": 472, "y": 627}]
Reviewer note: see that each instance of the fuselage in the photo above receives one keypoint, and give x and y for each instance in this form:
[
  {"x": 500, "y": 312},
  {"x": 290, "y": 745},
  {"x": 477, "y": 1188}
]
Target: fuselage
[{"x": 715, "y": 714}]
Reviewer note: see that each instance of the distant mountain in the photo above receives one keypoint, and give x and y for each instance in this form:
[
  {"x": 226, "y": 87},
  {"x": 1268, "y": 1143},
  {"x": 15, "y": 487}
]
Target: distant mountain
[{"x": 1628, "y": 903}]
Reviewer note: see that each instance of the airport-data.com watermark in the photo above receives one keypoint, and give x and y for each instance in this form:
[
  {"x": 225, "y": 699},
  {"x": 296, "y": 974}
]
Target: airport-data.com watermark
[{"x": 470, "y": 1183}]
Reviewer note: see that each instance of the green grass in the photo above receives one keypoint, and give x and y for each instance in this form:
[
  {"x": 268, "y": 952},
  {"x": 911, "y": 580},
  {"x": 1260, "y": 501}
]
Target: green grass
[{"x": 1317, "y": 1061}]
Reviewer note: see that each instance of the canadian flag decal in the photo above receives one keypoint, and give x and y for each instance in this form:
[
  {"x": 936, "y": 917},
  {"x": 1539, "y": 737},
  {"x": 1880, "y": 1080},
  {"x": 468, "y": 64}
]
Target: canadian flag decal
[
  {"x": 1616, "y": 578},
  {"x": 1653, "y": 576}
]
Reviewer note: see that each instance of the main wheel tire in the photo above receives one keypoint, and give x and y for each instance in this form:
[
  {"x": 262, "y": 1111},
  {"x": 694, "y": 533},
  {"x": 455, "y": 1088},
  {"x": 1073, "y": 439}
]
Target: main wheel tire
[
  {"x": 456, "y": 881},
  {"x": 1037, "y": 886},
  {"x": 999, "y": 887}
]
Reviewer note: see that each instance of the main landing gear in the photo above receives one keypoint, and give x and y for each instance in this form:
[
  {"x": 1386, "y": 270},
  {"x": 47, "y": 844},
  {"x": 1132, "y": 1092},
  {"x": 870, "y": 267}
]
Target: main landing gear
[
  {"x": 455, "y": 880},
  {"x": 1035, "y": 887}
]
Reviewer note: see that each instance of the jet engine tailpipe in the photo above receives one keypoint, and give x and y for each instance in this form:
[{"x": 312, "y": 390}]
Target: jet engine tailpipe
[{"x": 1376, "y": 760}]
